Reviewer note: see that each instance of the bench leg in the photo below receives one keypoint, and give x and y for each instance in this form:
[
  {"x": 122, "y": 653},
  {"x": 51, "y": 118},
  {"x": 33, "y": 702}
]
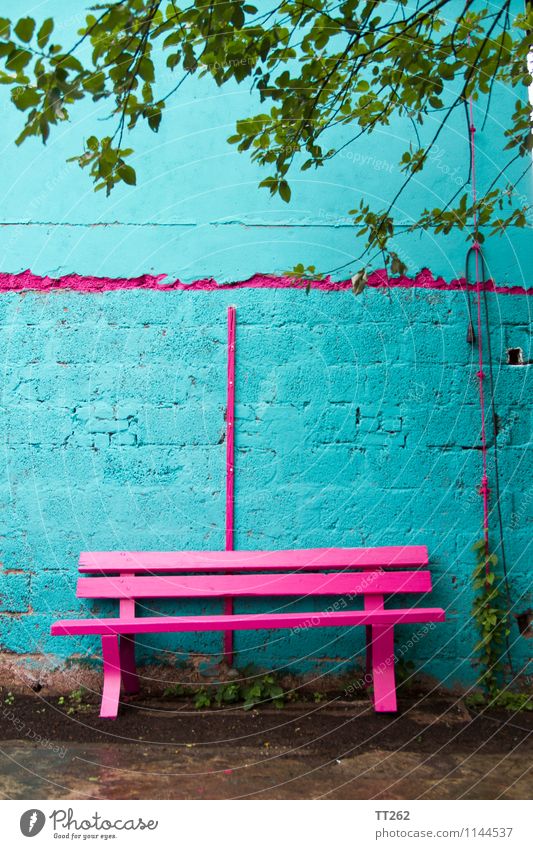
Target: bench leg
[
  {"x": 130, "y": 678},
  {"x": 112, "y": 676},
  {"x": 368, "y": 630},
  {"x": 383, "y": 668}
]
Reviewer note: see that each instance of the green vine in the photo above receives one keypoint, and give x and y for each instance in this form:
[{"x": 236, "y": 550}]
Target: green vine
[{"x": 491, "y": 619}]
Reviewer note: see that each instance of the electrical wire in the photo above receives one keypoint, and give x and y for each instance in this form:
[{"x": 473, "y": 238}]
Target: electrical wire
[
  {"x": 472, "y": 339},
  {"x": 480, "y": 267}
]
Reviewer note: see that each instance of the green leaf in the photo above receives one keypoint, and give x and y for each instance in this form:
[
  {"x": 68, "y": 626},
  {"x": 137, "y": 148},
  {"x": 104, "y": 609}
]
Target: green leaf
[
  {"x": 24, "y": 96},
  {"x": 18, "y": 59},
  {"x": 94, "y": 83},
  {"x": 237, "y": 17},
  {"x": 127, "y": 174},
  {"x": 44, "y": 32},
  {"x": 24, "y": 29},
  {"x": 5, "y": 28},
  {"x": 284, "y": 191},
  {"x": 146, "y": 69},
  {"x": 69, "y": 62},
  {"x": 154, "y": 121}
]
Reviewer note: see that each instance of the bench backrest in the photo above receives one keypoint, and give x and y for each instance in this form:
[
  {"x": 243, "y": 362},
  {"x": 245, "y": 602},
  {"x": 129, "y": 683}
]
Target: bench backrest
[
  {"x": 128, "y": 576},
  {"x": 111, "y": 562}
]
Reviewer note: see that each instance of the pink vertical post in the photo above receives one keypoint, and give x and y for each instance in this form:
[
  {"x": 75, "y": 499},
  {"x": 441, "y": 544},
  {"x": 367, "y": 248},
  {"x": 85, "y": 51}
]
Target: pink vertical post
[
  {"x": 112, "y": 676},
  {"x": 230, "y": 467},
  {"x": 128, "y": 668}
]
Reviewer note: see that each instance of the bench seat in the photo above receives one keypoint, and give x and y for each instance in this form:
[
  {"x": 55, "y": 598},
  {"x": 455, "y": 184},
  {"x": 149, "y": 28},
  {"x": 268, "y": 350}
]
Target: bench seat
[
  {"x": 130, "y": 577},
  {"x": 247, "y": 621}
]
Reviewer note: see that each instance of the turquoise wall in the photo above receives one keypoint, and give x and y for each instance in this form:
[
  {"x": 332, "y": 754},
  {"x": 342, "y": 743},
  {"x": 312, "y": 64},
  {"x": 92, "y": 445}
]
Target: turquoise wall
[
  {"x": 357, "y": 424},
  {"x": 357, "y": 419},
  {"x": 196, "y": 210}
]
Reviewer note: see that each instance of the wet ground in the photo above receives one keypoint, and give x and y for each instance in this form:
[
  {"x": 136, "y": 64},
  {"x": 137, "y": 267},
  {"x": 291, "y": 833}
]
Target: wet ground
[{"x": 161, "y": 749}]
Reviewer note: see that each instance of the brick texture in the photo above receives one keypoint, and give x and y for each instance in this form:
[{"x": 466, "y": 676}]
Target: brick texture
[{"x": 357, "y": 424}]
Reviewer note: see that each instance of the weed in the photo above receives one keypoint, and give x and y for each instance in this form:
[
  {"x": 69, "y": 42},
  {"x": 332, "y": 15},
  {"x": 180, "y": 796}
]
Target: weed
[
  {"x": 263, "y": 690},
  {"x": 227, "y": 694},
  {"x": 74, "y": 702},
  {"x": 202, "y": 698},
  {"x": 260, "y": 690},
  {"x": 513, "y": 702},
  {"x": 490, "y": 617},
  {"x": 174, "y": 690}
]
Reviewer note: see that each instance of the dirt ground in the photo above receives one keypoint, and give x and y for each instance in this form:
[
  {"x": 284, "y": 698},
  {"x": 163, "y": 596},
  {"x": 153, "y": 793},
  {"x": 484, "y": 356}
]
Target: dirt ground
[{"x": 164, "y": 749}]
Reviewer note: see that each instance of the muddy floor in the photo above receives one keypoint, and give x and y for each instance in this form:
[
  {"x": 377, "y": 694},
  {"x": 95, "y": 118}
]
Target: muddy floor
[{"x": 164, "y": 749}]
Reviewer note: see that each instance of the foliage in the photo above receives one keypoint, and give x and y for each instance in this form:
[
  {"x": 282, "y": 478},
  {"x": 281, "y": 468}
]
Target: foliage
[
  {"x": 74, "y": 702},
  {"x": 511, "y": 701},
  {"x": 303, "y": 273},
  {"x": 250, "y": 693},
  {"x": 490, "y": 617},
  {"x": 316, "y": 65}
]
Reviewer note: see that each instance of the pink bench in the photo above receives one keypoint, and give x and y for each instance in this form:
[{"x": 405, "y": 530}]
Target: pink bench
[{"x": 131, "y": 576}]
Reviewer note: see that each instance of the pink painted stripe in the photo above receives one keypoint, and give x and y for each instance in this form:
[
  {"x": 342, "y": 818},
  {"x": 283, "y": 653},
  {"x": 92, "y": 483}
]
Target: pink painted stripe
[
  {"x": 248, "y": 621},
  {"x": 230, "y": 431},
  {"x": 230, "y": 469},
  {"x": 213, "y": 561},
  {"x": 217, "y": 586},
  {"x": 27, "y": 281}
]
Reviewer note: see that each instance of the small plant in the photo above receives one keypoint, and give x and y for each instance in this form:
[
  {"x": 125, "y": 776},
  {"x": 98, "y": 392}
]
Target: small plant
[
  {"x": 492, "y": 621},
  {"x": 490, "y": 618},
  {"x": 228, "y": 694},
  {"x": 9, "y": 699},
  {"x": 175, "y": 690},
  {"x": 202, "y": 699},
  {"x": 513, "y": 702},
  {"x": 318, "y": 697},
  {"x": 74, "y": 702},
  {"x": 260, "y": 690},
  {"x": 263, "y": 690}
]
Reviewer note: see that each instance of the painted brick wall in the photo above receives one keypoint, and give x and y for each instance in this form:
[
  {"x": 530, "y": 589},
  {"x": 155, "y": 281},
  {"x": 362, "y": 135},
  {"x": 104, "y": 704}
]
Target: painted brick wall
[
  {"x": 357, "y": 424},
  {"x": 196, "y": 210},
  {"x": 358, "y": 419}
]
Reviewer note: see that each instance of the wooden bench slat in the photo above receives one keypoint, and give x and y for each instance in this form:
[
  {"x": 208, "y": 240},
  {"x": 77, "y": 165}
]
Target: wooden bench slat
[
  {"x": 250, "y": 621},
  {"x": 212, "y": 561},
  {"x": 203, "y": 586}
]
